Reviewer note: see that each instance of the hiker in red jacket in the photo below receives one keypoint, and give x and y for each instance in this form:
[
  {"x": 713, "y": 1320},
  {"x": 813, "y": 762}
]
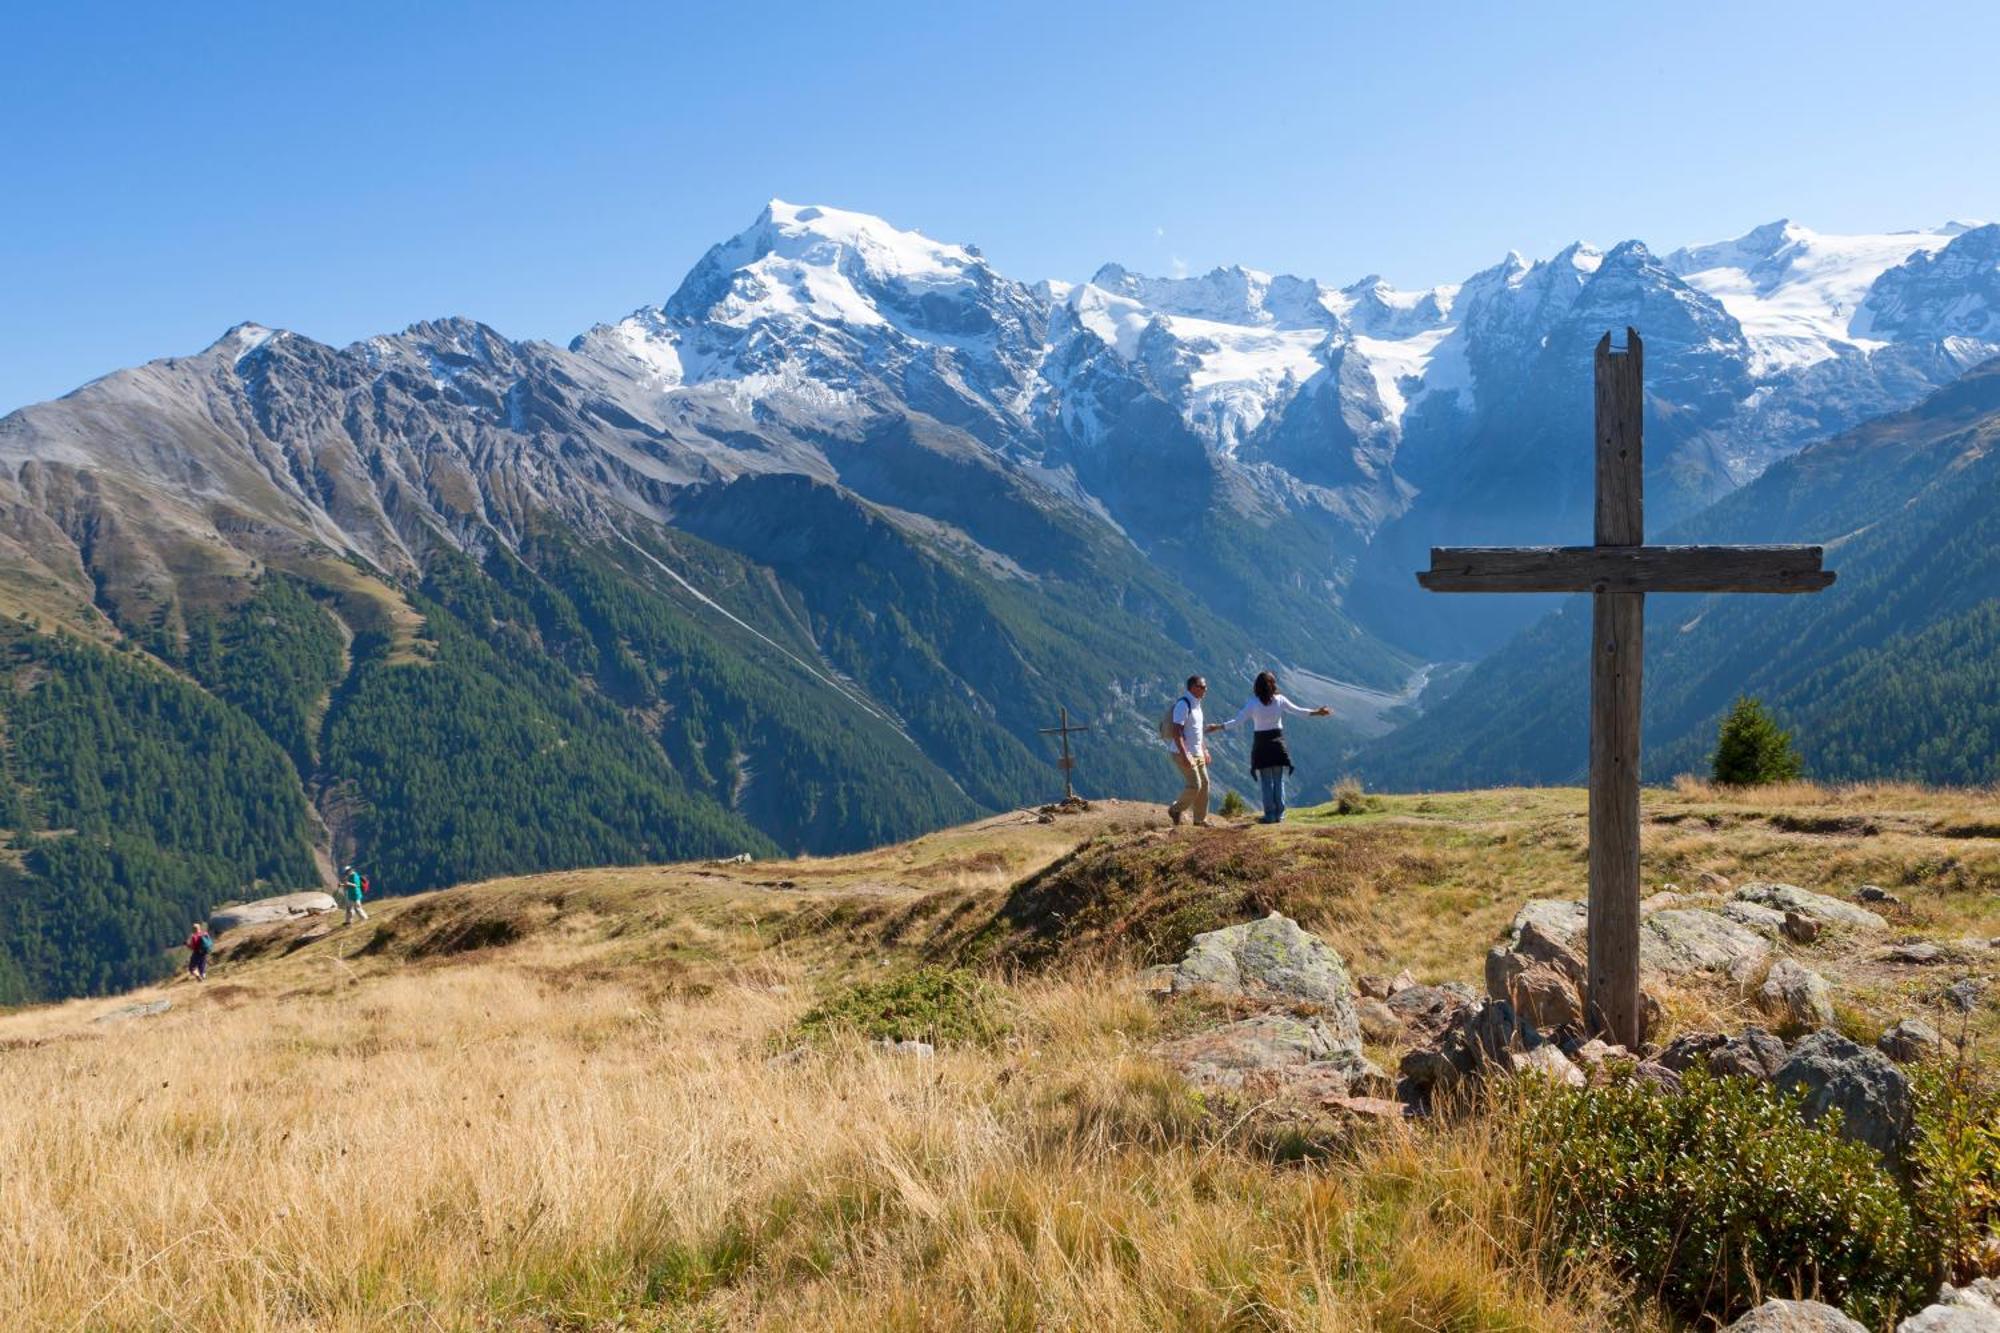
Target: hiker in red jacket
[{"x": 200, "y": 945}]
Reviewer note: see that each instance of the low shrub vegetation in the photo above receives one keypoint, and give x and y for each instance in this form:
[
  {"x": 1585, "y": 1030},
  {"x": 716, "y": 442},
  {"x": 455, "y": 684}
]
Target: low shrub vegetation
[
  {"x": 1717, "y": 1197},
  {"x": 940, "y": 1005}
]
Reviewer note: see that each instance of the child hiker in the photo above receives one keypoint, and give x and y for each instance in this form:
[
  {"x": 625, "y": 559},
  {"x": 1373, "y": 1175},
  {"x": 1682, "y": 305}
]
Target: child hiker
[{"x": 200, "y": 944}]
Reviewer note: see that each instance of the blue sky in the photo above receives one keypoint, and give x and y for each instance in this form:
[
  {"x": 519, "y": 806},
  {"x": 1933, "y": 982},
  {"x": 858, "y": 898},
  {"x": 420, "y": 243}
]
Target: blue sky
[{"x": 347, "y": 169}]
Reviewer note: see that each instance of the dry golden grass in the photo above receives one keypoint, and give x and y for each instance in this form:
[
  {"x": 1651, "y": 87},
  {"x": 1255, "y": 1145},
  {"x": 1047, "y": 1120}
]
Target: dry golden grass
[{"x": 552, "y": 1102}]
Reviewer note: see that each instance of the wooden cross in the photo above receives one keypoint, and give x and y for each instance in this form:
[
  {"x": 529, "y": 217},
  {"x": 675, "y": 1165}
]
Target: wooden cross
[
  {"x": 1619, "y": 571},
  {"x": 1067, "y": 763}
]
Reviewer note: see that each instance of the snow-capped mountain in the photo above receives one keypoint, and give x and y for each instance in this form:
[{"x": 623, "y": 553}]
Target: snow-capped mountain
[{"x": 1264, "y": 438}]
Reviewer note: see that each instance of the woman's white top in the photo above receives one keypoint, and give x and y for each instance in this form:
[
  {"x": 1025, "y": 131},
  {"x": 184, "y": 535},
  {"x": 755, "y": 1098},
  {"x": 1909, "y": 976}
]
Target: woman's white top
[{"x": 1267, "y": 716}]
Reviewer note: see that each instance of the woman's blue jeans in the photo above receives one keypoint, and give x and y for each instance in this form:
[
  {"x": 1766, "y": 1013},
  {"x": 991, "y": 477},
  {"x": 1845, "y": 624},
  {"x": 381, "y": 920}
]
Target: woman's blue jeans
[{"x": 1272, "y": 780}]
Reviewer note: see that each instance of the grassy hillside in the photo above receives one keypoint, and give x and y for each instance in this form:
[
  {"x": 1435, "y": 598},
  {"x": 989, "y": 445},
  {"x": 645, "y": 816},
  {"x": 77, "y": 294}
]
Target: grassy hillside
[{"x": 584, "y": 1100}]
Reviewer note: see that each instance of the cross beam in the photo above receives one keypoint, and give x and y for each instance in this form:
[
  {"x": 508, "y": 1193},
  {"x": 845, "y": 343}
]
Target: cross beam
[
  {"x": 1625, "y": 569},
  {"x": 1618, "y": 572}
]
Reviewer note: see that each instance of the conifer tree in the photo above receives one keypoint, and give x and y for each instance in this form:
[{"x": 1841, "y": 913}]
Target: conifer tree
[{"x": 1752, "y": 749}]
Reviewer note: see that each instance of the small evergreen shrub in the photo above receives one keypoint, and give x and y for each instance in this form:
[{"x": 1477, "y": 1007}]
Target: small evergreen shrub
[
  {"x": 943, "y": 1006},
  {"x": 1717, "y": 1196},
  {"x": 1751, "y": 749},
  {"x": 1234, "y": 805},
  {"x": 1955, "y": 1168},
  {"x": 1348, "y": 798}
]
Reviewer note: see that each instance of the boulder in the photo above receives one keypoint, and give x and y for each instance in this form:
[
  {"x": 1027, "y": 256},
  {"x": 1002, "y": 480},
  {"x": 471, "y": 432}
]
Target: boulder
[
  {"x": 1545, "y": 997},
  {"x": 1875, "y": 893},
  {"x": 1558, "y": 918},
  {"x": 1916, "y": 953},
  {"x": 1222, "y": 1056},
  {"x": 1547, "y": 1062},
  {"x": 1682, "y": 941},
  {"x": 1274, "y": 961},
  {"x": 1401, "y": 981},
  {"x": 1755, "y": 1054},
  {"x": 284, "y": 907},
  {"x": 1657, "y": 1074},
  {"x": 1795, "y": 1317},
  {"x": 1910, "y": 1040},
  {"x": 1973, "y": 1308},
  {"x": 1280, "y": 1053},
  {"x": 1372, "y": 986},
  {"x": 1827, "y": 911},
  {"x": 1425, "y": 1012},
  {"x": 1691, "y": 1049},
  {"x": 1796, "y": 996},
  {"x": 1712, "y": 882},
  {"x": 1964, "y": 994},
  {"x": 1379, "y": 1023},
  {"x": 1871, "y": 1094}
]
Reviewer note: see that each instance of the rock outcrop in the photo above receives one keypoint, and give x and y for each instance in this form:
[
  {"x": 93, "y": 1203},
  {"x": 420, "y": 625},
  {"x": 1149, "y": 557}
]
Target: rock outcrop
[
  {"x": 1871, "y": 1094},
  {"x": 284, "y": 907},
  {"x": 1827, "y": 911},
  {"x": 1973, "y": 1308}
]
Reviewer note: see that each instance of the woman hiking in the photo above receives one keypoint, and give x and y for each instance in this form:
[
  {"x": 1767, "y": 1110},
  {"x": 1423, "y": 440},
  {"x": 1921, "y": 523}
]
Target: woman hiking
[
  {"x": 1269, "y": 760},
  {"x": 200, "y": 944}
]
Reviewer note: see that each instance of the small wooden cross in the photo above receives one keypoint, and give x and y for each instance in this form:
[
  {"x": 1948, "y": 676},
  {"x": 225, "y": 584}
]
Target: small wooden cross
[
  {"x": 1065, "y": 762},
  {"x": 1619, "y": 571}
]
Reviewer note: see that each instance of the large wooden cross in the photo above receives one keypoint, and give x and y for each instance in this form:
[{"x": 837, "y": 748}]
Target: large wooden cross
[{"x": 1619, "y": 571}]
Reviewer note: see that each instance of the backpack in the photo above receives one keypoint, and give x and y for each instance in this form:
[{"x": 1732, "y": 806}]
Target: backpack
[
  {"x": 205, "y": 942},
  {"x": 1170, "y": 730},
  {"x": 364, "y": 886}
]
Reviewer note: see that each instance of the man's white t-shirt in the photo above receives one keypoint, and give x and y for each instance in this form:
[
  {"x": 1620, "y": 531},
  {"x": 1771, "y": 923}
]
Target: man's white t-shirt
[{"x": 1187, "y": 716}]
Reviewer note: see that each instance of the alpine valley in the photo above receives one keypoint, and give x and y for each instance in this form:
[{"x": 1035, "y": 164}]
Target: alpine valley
[{"x": 802, "y": 558}]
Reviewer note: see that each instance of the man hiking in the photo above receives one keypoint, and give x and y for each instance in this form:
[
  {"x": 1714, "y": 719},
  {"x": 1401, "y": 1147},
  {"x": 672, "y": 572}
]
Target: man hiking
[
  {"x": 1185, "y": 734},
  {"x": 200, "y": 944},
  {"x": 353, "y": 888}
]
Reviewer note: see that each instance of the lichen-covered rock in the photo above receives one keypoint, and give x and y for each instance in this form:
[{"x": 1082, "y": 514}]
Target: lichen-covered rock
[
  {"x": 1973, "y": 1308},
  {"x": 1673, "y": 942},
  {"x": 284, "y": 907},
  {"x": 137, "y": 1009},
  {"x": 1559, "y": 918},
  {"x": 1827, "y": 911},
  {"x": 1274, "y": 961},
  {"x": 1871, "y": 1094},
  {"x": 1686, "y": 940},
  {"x": 1910, "y": 1040},
  {"x": 1768, "y": 920},
  {"x": 1875, "y": 893},
  {"x": 1776, "y": 1316},
  {"x": 1796, "y": 996}
]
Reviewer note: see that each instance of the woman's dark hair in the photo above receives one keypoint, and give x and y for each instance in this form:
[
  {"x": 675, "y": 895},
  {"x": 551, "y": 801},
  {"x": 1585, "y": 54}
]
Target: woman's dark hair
[{"x": 1265, "y": 687}]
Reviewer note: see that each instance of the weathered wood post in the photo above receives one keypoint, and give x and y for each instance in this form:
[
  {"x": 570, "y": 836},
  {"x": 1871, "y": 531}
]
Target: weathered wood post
[{"x": 1618, "y": 622}]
